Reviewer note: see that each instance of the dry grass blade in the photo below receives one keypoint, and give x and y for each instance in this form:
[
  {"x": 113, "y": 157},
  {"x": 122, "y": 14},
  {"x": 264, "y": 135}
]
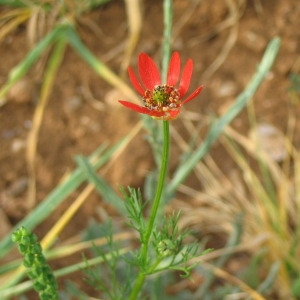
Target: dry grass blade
[
  {"x": 48, "y": 82},
  {"x": 234, "y": 280},
  {"x": 10, "y": 20},
  {"x": 134, "y": 19},
  {"x": 185, "y": 18},
  {"x": 266, "y": 192},
  {"x": 36, "y": 25},
  {"x": 228, "y": 45},
  {"x": 277, "y": 216},
  {"x": 69, "y": 249},
  {"x": 215, "y": 207},
  {"x": 53, "y": 233}
]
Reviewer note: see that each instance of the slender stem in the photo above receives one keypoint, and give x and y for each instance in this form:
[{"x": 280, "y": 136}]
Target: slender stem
[
  {"x": 168, "y": 16},
  {"x": 153, "y": 213},
  {"x": 159, "y": 189}
]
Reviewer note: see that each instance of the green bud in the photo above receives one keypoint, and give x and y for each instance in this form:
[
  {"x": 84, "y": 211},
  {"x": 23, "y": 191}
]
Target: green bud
[
  {"x": 28, "y": 260},
  {"x": 166, "y": 247},
  {"x": 38, "y": 286},
  {"x": 16, "y": 236}
]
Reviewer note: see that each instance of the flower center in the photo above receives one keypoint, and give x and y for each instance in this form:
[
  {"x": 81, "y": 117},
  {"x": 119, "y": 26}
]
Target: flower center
[{"x": 162, "y": 98}]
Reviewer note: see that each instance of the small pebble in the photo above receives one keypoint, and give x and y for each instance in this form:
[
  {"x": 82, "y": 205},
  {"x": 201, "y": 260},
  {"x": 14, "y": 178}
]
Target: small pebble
[
  {"x": 17, "y": 145},
  {"x": 73, "y": 103},
  {"x": 227, "y": 88},
  {"x": 254, "y": 41},
  {"x": 22, "y": 91},
  {"x": 111, "y": 98},
  {"x": 18, "y": 187},
  {"x": 270, "y": 140}
]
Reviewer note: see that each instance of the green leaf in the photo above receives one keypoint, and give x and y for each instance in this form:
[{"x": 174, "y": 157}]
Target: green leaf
[
  {"x": 217, "y": 127},
  {"x": 108, "y": 194},
  {"x": 58, "y": 195}
]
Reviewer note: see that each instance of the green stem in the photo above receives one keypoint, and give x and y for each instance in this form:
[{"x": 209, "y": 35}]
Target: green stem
[
  {"x": 153, "y": 213},
  {"x": 159, "y": 189},
  {"x": 217, "y": 127},
  {"x": 168, "y": 5},
  {"x": 168, "y": 17}
]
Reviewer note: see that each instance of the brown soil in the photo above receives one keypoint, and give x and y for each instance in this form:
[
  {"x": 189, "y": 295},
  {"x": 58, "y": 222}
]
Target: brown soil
[{"x": 81, "y": 113}]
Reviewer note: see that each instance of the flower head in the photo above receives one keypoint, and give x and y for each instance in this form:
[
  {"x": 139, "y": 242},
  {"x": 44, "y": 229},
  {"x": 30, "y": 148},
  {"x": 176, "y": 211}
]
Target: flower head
[{"x": 161, "y": 100}]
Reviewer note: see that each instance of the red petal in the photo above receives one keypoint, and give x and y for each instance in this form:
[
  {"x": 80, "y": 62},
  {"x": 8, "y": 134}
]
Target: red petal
[
  {"x": 148, "y": 71},
  {"x": 168, "y": 116},
  {"x": 186, "y": 78},
  {"x": 195, "y": 93},
  {"x": 173, "y": 114},
  {"x": 174, "y": 69},
  {"x": 135, "y": 82},
  {"x": 142, "y": 109}
]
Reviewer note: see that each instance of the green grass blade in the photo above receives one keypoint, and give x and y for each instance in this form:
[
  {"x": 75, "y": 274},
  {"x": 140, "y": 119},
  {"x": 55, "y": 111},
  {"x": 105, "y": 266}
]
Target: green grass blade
[
  {"x": 28, "y": 285},
  {"x": 216, "y": 129},
  {"x": 13, "y": 3},
  {"x": 233, "y": 240},
  {"x": 22, "y": 68},
  {"x": 92, "y": 4},
  {"x": 267, "y": 284},
  {"x": 99, "y": 67},
  {"x": 56, "y": 197},
  {"x": 102, "y": 187}
]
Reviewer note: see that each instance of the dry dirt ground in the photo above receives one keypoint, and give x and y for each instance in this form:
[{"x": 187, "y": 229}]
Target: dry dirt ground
[{"x": 226, "y": 40}]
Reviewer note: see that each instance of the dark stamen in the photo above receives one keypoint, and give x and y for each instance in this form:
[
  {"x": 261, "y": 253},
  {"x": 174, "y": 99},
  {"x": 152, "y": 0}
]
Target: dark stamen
[{"x": 162, "y": 98}]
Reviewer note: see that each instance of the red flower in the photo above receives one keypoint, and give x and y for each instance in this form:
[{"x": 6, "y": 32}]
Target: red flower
[{"x": 161, "y": 101}]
